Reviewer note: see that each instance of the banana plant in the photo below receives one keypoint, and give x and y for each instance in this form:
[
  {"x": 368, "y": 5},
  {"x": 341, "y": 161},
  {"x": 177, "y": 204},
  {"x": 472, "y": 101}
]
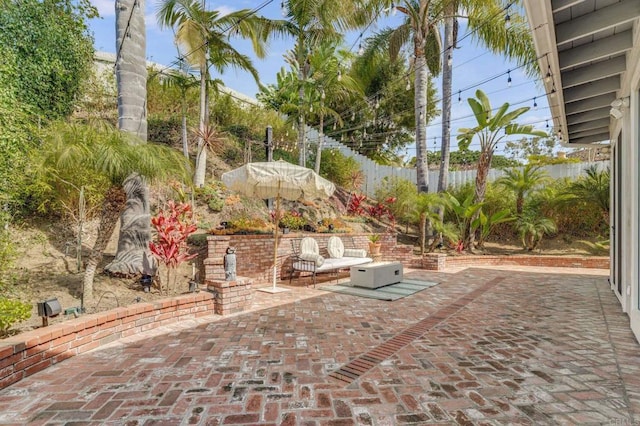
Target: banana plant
[{"x": 464, "y": 212}]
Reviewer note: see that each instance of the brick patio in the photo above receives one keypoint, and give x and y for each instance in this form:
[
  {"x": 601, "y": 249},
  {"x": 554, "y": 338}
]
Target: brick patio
[{"x": 495, "y": 345}]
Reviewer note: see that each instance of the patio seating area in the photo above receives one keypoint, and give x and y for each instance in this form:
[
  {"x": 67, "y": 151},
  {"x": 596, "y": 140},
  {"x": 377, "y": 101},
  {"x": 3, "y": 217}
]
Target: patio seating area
[{"x": 492, "y": 345}]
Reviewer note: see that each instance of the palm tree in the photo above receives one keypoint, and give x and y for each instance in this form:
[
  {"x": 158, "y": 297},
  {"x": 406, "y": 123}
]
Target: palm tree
[
  {"x": 313, "y": 23},
  {"x": 487, "y": 24},
  {"x": 206, "y": 35},
  {"x": 118, "y": 157},
  {"x": 131, "y": 77},
  {"x": 532, "y": 227},
  {"x": 592, "y": 189},
  {"x": 425, "y": 209},
  {"x": 522, "y": 181},
  {"x": 131, "y": 67},
  {"x": 183, "y": 81},
  {"x": 419, "y": 30},
  {"x": 492, "y": 127}
]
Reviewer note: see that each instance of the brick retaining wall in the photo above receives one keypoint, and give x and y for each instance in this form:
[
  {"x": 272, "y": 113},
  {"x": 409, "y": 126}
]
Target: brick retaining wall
[
  {"x": 439, "y": 261},
  {"x": 254, "y": 253},
  {"x": 33, "y": 351}
]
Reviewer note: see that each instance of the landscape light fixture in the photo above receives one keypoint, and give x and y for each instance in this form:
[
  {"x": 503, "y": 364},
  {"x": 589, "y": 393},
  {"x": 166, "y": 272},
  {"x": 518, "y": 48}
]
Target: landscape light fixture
[{"x": 48, "y": 309}]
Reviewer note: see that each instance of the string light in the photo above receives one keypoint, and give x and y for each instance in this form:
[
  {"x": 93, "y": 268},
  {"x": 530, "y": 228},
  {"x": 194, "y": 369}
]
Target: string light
[
  {"x": 535, "y": 104},
  {"x": 547, "y": 126},
  {"x": 547, "y": 78},
  {"x": 408, "y": 85},
  {"x": 360, "y": 48},
  {"x": 509, "y": 78},
  {"x": 283, "y": 9},
  {"x": 459, "y": 96},
  {"x": 449, "y": 60},
  {"x": 394, "y": 11},
  {"x": 339, "y": 75},
  {"x": 377, "y": 104},
  {"x": 323, "y": 95}
]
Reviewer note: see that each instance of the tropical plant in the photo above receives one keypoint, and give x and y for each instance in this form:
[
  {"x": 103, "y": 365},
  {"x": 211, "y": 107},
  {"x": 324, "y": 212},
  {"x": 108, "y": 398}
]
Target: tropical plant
[
  {"x": 486, "y": 23},
  {"x": 404, "y": 193},
  {"x": 523, "y": 181},
  {"x": 426, "y": 211},
  {"x": 111, "y": 155},
  {"x": 418, "y": 30},
  {"x": 312, "y": 24},
  {"x": 491, "y": 128},
  {"x": 532, "y": 227},
  {"x": 374, "y": 238},
  {"x": 591, "y": 189},
  {"x": 206, "y": 36},
  {"x": 173, "y": 226},
  {"x": 487, "y": 223},
  {"x": 292, "y": 220},
  {"x": 464, "y": 213}
]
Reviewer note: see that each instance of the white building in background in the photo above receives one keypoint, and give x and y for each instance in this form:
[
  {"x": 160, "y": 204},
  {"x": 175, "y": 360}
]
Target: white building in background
[{"x": 589, "y": 54}]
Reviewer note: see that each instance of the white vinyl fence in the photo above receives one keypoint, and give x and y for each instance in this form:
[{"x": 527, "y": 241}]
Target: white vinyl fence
[{"x": 375, "y": 173}]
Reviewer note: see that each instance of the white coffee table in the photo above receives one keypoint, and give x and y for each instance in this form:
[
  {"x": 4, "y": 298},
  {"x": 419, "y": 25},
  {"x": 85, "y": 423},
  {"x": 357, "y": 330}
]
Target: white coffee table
[{"x": 374, "y": 275}]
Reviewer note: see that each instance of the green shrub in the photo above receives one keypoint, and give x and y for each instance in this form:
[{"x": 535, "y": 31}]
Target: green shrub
[
  {"x": 337, "y": 167},
  {"x": 11, "y": 312}
]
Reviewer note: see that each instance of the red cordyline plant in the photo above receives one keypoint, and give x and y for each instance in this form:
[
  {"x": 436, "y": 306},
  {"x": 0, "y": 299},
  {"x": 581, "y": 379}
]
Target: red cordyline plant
[
  {"x": 173, "y": 226},
  {"x": 356, "y": 206}
]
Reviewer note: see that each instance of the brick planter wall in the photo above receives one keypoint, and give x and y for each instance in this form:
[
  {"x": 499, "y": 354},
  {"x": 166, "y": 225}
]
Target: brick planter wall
[
  {"x": 33, "y": 351},
  {"x": 254, "y": 253},
  {"x": 231, "y": 296}
]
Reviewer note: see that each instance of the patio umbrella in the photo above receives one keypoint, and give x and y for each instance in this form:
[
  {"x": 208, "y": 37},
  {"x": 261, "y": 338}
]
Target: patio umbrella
[{"x": 277, "y": 179}]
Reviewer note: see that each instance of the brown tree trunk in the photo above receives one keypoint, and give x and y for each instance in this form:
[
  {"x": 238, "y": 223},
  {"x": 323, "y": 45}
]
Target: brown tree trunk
[{"x": 112, "y": 207}]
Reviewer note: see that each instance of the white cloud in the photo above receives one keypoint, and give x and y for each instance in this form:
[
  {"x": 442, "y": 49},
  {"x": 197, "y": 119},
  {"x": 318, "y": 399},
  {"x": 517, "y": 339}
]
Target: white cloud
[
  {"x": 105, "y": 7},
  {"x": 224, "y": 10}
]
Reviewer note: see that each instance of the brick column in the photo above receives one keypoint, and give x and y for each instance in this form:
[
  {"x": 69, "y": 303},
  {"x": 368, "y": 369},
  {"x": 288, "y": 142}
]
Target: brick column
[
  {"x": 231, "y": 296},
  {"x": 434, "y": 261}
]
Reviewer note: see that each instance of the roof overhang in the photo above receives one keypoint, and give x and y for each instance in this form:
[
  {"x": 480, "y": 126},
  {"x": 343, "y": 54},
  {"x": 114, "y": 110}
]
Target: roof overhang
[{"x": 584, "y": 49}]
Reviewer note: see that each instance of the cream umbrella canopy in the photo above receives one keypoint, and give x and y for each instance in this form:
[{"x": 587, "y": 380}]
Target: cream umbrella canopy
[{"x": 277, "y": 179}]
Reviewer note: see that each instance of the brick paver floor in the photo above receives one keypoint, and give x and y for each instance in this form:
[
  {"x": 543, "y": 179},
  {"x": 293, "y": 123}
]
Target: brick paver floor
[{"x": 485, "y": 346}]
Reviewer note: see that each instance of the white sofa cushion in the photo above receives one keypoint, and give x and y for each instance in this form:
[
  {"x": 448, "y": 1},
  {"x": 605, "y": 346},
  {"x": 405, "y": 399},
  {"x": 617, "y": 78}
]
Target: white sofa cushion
[
  {"x": 309, "y": 245},
  {"x": 312, "y": 257},
  {"x": 355, "y": 253},
  {"x": 335, "y": 247}
]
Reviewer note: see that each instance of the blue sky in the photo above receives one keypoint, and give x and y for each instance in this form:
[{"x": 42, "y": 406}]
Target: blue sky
[{"x": 473, "y": 65}]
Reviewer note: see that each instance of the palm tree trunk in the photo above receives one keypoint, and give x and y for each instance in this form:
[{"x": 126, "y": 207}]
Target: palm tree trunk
[
  {"x": 131, "y": 76},
  {"x": 112, "y": 206},
  {"x": 447, "y": 74},
  {"x": 201, "y": 154},
  {"x": 420, "y": 104},
  {"x": 131, "y": 67},
  {"x": 185, "y": 141},
  {"x": 135, "y": 232},
  {"x": 484, "y": 164},
  {"x": 320, "y": 142}
]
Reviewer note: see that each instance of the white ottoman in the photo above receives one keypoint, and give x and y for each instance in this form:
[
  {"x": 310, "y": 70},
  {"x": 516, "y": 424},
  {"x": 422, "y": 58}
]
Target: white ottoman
[{"x": 374, "y": 275}]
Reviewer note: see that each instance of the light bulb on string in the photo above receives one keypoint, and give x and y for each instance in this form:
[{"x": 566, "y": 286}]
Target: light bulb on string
[
  {"x": 547, "y": 126},
  {"x": 509, "y": 78},
  {"x": 421, "y": 115},
  {"x": 353, "y": 116},
  {"x": 283, "y": 9},
  {"x": 408, "y": 87},
  {"x": 535, "y": 104},
  {"x": 547, "y": 78},
  {"x": 323, "y": 95},
  {"x": 311, "y": 108},
  {"x": 360, "y": 47},
  {"x": 459, "y": 96},
  {"x": 339, "y": 75},
  {"x": 334, "y": 126},
  {"x": 377, "y": 104},
  {"x": 394, "y": 11},
  {"x": 449, "y": 59}
]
